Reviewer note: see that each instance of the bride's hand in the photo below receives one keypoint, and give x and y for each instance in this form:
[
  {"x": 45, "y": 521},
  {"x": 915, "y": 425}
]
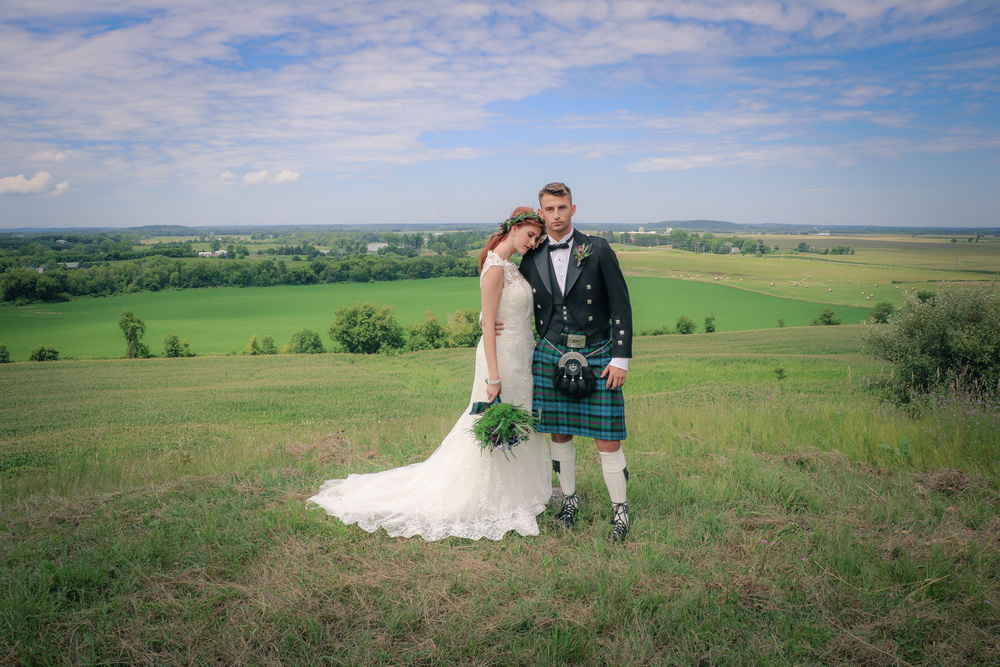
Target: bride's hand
[
  {"x": 497, "y": 327},
  {"x": 492, "y": 391}
]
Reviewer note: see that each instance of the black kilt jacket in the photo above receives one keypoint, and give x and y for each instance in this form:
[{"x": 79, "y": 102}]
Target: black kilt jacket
[{"x": 596, "y": 293}]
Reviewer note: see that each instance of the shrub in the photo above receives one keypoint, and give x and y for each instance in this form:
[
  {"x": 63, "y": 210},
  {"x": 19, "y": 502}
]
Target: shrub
[
  {"x": 133, "y": 327},
  {"x": 463, "y": 328},
  {"x": 427, "y": 335},
  {"x": 365, "y": 328},
  {"x": 44, "y": 353},
  {"x": 174, "y": 347},
  {"x": 882, "y": 311},
  {"x": 4, "y": 355},
  {"x": 267, "y": 345},
  {"x": 305, "y": 341},
  {"x": 656, "y": 331},
  {"x": 254, "y": 347},
  {"x": 710, "y": 323},
  {"x": 826, "y": 318},
  {"x": 935, "y": 342},
  {"x": 685, "y": 325}
]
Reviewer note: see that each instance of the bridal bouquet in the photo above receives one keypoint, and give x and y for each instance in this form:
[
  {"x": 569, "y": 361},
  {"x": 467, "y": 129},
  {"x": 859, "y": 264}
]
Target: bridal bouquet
[{"x": 502, "y": 426}]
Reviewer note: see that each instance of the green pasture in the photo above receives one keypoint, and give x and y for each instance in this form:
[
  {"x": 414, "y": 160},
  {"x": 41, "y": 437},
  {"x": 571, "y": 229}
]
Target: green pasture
[
  {"x": 218, "y": 320},
  {"x": 846, "y": 279},
  {"x": 153, "y": 512},
  {"x": 930, "y": 252}
]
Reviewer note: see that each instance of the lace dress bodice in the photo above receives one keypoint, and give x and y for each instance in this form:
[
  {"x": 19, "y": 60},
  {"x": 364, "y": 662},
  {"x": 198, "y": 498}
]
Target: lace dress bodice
[{"x": 516, "y": 342}]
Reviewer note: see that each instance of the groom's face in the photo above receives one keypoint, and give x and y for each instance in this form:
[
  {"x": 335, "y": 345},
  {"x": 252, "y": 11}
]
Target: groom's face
[{"x": 557, "y": 212}]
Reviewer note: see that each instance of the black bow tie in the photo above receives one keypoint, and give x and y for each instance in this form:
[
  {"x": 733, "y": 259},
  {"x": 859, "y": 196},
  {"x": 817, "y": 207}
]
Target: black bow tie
[{"x": 558, "y": 246}]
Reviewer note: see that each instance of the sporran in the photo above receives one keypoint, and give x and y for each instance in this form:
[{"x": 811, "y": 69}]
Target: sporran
[{"x": 574, "y": 377}]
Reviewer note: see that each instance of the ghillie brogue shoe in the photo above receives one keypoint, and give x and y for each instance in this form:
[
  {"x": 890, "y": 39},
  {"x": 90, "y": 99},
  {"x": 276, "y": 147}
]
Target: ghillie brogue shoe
[{"x": 567, "y": 513}]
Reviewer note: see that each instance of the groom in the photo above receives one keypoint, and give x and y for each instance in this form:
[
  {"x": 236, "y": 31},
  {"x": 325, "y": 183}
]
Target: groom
[{"x": 581, "y": 304}]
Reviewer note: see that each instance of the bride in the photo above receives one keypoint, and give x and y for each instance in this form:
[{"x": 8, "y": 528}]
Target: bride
[{"x": 460, "y": 490}]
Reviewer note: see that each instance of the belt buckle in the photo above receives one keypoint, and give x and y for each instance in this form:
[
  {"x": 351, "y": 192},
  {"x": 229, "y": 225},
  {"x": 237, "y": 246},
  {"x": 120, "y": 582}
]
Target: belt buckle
[{"x": 576, "y": 340}]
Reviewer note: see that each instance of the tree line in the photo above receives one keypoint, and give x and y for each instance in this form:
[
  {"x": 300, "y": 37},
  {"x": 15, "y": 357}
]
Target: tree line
[
  {"x": 679, "y": 239},
  {"x": 19, "y": 285}
]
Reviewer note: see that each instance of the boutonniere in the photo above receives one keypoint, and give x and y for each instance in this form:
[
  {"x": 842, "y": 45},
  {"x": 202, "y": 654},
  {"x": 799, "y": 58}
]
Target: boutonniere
[{"x": 582, "y": 253}]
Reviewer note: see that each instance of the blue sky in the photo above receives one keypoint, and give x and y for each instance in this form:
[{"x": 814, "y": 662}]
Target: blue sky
[{"x": 819, "y": 112}]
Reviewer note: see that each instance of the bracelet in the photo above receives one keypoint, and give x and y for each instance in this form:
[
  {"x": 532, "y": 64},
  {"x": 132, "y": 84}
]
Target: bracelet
[{"x": 492, "y": 382}]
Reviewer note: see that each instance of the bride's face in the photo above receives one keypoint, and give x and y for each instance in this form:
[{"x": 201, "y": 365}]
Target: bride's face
[{"x": 526, "y": 237}]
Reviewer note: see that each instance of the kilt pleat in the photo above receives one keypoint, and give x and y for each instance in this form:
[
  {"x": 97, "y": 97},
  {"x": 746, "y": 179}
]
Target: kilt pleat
[{"x": 600, "y": 415}]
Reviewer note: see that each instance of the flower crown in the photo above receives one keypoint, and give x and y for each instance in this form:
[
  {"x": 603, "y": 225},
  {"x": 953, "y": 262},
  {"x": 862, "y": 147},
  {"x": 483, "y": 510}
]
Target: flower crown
[{"x": 519, "y": 218}]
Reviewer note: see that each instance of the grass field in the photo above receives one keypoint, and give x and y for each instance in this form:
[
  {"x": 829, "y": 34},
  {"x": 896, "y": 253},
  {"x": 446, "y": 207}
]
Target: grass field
[
  {"x": 896, "y": 250},
  {"x": 742, "y": 292},
  {"x": 870, "y": 276},
  {"x": 152, "y": 513},
  {"x": 218, "y": 320}
]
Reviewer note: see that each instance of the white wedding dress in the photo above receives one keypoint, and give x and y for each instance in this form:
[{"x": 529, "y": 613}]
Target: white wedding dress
[{"x": 460, "y": 490}]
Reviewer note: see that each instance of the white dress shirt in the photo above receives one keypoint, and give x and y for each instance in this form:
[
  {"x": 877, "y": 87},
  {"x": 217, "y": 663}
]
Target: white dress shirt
[{"x": 560, "y": 264}]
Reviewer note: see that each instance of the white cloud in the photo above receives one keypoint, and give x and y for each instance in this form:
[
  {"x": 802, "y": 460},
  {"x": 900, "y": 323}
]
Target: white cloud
[
  {"x": 673, "y": 163},
  {"x": 197, "y": 93},
  {"x": 284, "y": 177},
  {"x": 798, "y": 156},
  {"x": 36, "y": 185},
  {"x": 255, "y": 177},
  {"x": 49, "y": 156},
  {"x": 863, "y": 94}
]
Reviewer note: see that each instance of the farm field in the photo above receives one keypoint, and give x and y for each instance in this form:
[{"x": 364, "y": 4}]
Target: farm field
[
  {"x": 152, "y": 512},
  {"x": 218, "y": 320},
  {"x": 862, "y": 279},
  {"x": 933, "y": 252}
]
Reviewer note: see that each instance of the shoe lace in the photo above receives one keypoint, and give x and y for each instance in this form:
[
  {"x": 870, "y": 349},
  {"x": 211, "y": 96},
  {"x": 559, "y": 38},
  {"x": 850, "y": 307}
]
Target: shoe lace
[
  {"x": 619, "y": 522},
  {"x": 619, "y": 514},
  {"x": 569, "y": 507}
]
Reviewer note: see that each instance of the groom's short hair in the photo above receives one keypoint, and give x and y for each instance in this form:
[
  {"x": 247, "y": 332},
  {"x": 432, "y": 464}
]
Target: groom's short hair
[{"x": 556, "y": 189}]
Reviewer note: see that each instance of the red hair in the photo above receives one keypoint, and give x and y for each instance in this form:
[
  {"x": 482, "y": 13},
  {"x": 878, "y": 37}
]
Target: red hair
[{"x": 496, "y": 237}]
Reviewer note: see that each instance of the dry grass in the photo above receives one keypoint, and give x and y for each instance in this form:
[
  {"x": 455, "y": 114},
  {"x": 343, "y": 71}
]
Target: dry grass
[{"x": 765, "y": 531}]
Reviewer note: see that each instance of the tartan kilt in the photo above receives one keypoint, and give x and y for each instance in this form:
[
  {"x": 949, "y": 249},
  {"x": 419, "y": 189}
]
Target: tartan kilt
[{"x": 600, "y": 415}]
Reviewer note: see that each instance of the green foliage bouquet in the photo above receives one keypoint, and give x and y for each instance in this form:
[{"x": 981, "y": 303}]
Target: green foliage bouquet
[{"x": 502, "y": 426}]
